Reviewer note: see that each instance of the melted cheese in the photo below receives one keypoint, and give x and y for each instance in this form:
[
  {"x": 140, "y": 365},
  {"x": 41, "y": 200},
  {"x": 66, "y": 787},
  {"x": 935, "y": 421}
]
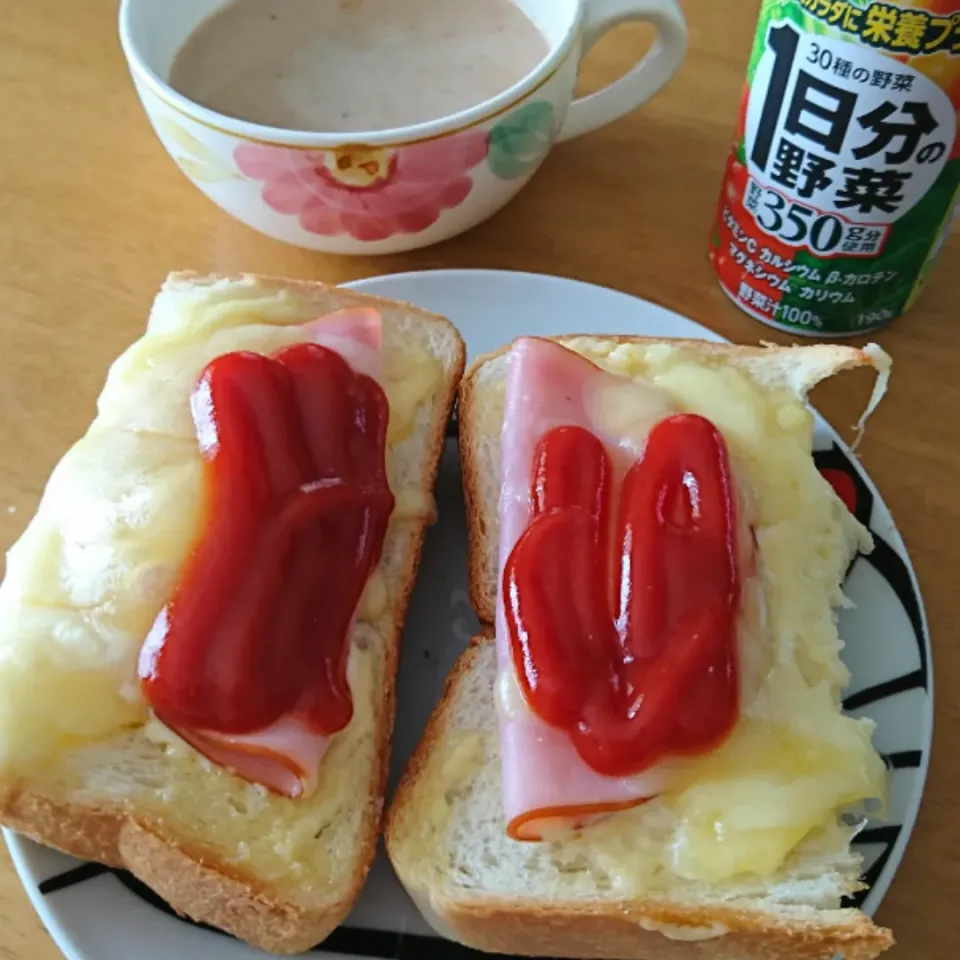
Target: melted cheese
[
  {"x": 374, "y": 599},
  {"x": 794, "y": 759},
  {"x": 96, "y": 564},
  {"x": 410, "y": 378}
]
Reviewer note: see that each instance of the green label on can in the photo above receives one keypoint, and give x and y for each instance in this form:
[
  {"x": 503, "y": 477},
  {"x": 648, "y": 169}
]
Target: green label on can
[{"x": 843, "y": 177}]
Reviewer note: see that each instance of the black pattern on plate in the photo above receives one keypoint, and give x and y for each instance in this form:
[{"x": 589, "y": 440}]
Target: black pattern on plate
[
  {"x": 846, "y": 479},
  {"x": 903, "y": 760},
  {"x": 889, "y": 688},
  {"x": 892, "y": 567},
  {"x": 60, "y": 881}
]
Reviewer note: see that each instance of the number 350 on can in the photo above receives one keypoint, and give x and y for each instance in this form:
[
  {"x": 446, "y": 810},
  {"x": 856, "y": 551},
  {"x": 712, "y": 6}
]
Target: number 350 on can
[{"x": 843, "y": 178}]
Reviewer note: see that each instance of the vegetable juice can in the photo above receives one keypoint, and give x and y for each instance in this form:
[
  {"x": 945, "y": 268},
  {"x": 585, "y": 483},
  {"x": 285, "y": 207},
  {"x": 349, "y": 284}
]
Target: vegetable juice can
[{"x": 843, "y": 178}]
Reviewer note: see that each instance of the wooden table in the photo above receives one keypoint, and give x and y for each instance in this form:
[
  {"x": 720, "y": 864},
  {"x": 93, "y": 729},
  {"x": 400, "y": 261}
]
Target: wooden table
[{"x": 93, "y": 214}]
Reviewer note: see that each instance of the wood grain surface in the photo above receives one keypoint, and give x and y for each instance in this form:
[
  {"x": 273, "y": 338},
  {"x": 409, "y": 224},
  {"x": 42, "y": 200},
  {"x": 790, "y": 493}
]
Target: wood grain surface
[{"x": 93, "y": 214}]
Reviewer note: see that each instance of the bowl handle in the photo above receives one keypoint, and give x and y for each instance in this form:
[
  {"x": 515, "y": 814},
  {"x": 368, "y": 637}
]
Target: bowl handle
[{"x": 645, "y": 78}]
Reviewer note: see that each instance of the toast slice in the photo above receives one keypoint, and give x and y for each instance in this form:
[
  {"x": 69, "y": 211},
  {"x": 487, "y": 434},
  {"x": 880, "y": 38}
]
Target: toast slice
[
  {"x": 278, "y": 873},
  {"x": 591, "y": 895}
]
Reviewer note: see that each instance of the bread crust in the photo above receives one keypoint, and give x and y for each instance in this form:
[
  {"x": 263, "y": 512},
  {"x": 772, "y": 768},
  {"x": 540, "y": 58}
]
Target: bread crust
[
  {"x": 196, "y": 881},
  {"x": 617, "y": 932}
]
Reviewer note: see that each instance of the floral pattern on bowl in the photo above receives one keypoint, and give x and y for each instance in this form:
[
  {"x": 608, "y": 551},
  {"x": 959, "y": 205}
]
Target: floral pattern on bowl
[
  {"x": 368, "y": 193},
  {"x": 198, "y": 161},
  {"x": 520, "y": 141}
]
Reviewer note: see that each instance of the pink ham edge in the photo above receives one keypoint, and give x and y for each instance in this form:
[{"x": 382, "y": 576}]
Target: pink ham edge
[
  {"x": 286, "y": 756},
  {"x": 356, "y": 333},
  {"x": 550, "y": 386}
]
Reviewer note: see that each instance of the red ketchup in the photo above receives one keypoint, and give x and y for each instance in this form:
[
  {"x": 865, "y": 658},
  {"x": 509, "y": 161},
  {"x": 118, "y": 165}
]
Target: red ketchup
[
  {"x": 297, "y": 506},
  {"x": 622, "y": 610}
]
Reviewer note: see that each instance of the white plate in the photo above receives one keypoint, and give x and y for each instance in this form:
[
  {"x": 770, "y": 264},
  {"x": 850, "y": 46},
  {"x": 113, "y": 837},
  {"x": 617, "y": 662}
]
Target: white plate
[{"x": 94, "y": 914}]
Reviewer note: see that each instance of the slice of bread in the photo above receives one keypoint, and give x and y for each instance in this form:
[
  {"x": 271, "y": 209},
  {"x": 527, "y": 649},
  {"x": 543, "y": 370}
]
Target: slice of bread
[
  {"x": 278, "y": 873},
  {"x": 580, "y": 897}
]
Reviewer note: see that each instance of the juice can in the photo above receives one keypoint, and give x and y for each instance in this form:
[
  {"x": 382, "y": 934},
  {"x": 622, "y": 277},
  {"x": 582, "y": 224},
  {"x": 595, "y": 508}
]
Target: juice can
[{"x": 842, "y": 182}]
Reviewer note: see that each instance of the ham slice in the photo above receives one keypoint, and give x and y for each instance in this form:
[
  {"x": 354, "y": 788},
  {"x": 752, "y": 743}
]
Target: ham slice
[
  {"x": 286, "y": 756},
  {"x": 546, "y": 785}
]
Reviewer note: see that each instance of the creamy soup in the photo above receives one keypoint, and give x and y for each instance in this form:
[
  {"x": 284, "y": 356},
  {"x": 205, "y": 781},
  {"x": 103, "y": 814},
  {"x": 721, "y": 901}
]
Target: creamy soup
[{"x": 348, "y": 65}]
